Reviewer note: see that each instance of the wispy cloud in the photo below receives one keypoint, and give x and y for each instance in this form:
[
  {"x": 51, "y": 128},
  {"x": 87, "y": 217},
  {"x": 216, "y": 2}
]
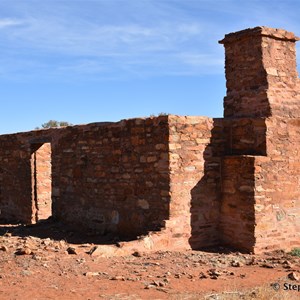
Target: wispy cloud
[
  {"x": 135, "y": 38},
  {"x": 6, "y": 22}
]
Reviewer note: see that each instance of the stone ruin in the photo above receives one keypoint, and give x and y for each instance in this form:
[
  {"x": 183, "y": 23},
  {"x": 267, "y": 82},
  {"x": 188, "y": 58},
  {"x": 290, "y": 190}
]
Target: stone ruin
[{"x": 183, "y": 182}]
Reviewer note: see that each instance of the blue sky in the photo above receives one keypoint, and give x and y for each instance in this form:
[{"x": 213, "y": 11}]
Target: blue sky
[{"x": 106, "y": 60}]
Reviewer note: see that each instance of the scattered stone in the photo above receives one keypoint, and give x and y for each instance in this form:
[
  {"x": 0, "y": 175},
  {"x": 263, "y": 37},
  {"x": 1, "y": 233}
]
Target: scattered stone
[
  {"x": 202, "y": 262},
  {"x": 267, "y": 265},
  {"x": 156, "y": 283},
  {"x": 137, "y": 254},
  {"x": 26, "y": 273},
  {"x": 130, "y": 279},
  {"x": 150, "y": 286},
  {"x": 92, "y": 250},
  {"x": 251, "y": 261},
  {"x": 118, "y": 278},
  {"x": 36, "y": 257},
  {"x": 228, "y": 272},
  {"x": 81, "y": 260},
  {"x": 7, "y": 234},
  {"x": 202, "y": 275},
  {"x": 71, "y": 250},
  {"x": 4, "y": 248},
  {"x": 91, "y": 274},
  {"x": 236, "y": 264},
  {"x": 23, "y": 251},
  {"x": 213, "y": 273},
  {"x": 47, "y": 242},
  {"x": 287, "y": 265},
  {"x": 293, "y": 276}
]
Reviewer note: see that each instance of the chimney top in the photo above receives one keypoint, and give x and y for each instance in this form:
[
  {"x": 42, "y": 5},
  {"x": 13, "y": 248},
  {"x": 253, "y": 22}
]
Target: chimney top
[{"x": 279, "y": 34}]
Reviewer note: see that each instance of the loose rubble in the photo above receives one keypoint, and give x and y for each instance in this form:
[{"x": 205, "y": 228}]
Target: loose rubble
[{"x": 163, "y": 272}]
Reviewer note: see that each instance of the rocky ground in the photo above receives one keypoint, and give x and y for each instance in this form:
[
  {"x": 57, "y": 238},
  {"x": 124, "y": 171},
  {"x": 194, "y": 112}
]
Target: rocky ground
[{"x": 43, "y": 262}]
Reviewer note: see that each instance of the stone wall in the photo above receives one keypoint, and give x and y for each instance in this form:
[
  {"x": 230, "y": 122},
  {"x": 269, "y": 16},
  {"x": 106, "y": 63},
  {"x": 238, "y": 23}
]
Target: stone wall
[
  {"x": 41, "y": 180},
  {"x": 187, "y": 182},
  {"x": 113, "y": 177},
  {"x": 262, "y": 81},
  {"x": 107, "y": 177},
  {"x": 244, "y": 136},
  {"x": 196, "y": 146},
  {"x": 15, "y": 180},
  {"x": 198, "y": 170},
  {"x": 261, "y": 73},
  {"x": 277, "y": 190},
  {"x": 237, "y": 221}
]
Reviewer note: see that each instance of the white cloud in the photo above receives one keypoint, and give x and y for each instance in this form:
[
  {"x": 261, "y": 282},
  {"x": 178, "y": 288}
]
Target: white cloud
[{"x": 6, "y": 22}]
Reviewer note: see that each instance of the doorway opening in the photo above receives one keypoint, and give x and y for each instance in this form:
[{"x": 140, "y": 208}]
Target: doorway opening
[{"x": 41, "y": 175}]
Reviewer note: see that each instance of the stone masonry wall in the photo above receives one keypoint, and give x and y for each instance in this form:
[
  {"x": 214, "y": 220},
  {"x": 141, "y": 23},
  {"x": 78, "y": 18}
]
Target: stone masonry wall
[
  {"x": 272, "y": 197},
  {"x": 129, "y": 177},
  {"x": 15, "y": 181},
  {"x": 237, "y": 218},
  {"x": 106, "y": 177},
  {"x": 42, "y": 181},
  {"x": 195, "y": 156},
  {"x": 261, "y": 73},
  {"x": 246, "y": 80},
  {"x": 277, "y": 190},
  {"x": 25, "y": 171},
  {"x": 187, "y": 182},
  {"x": 113, "y": 178},
  {"x": 244, "y": 136}
]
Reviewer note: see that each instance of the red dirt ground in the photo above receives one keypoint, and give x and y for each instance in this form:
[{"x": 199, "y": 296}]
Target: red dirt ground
[{"x": 34, "y": 266}]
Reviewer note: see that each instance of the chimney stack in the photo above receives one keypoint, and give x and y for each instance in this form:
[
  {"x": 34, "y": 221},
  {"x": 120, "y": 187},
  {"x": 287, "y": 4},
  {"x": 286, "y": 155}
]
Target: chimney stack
[{"x": 262, "y": 79}]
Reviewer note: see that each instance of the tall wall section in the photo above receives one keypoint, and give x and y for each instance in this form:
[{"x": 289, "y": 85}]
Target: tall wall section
[
  {"x": 196, "y": 147},
  {"x": 262, "y": 81},
  {"x": 203, "y": 209},
  {"x": 277, "y": 191}
]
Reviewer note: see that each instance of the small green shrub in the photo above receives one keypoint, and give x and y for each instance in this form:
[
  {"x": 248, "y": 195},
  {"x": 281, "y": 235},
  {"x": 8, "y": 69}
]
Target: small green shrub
[{"x": 295, "y": 252}]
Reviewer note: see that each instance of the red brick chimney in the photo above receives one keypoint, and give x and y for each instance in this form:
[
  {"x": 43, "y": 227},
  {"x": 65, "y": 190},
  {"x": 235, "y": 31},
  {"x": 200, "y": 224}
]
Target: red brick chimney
[{"x": 261, "y": 74}]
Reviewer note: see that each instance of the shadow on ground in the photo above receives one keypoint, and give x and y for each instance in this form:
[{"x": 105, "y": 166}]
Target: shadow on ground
[{"x": 57, "y": 231}]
